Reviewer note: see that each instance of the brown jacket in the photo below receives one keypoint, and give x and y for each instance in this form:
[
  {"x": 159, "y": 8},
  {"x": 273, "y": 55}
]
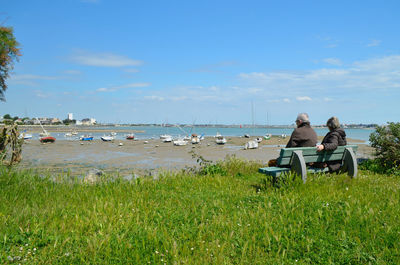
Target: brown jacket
[{"x": 303, "y": 136}]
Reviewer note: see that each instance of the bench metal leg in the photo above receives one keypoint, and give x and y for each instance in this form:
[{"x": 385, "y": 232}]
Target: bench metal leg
[
  {"x": 350, "y": 163},
  {"x": 298, "y": 165}
]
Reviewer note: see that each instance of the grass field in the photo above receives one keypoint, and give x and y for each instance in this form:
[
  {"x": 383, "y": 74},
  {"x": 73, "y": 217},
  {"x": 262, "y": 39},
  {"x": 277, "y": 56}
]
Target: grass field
[{"x": 231, "y": 215}]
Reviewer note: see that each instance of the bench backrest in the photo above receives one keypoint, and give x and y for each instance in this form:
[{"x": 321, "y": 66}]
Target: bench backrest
[{"x": 310, "y": 154}]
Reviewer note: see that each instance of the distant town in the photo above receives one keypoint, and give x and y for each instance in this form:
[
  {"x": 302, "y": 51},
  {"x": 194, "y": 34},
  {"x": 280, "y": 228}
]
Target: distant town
[{"x": 8, "y": 119}]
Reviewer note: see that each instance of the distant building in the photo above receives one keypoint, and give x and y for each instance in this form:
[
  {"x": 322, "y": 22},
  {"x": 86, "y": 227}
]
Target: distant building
[
  {"x": 70, "y": 116},
  {"x": 55, "y": 120},
  {"x": 88, "y": 121}
]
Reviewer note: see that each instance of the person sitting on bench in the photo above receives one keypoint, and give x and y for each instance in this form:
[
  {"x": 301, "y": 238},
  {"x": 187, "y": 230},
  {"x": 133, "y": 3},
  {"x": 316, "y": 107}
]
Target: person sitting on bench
[
  {"x": 302, "y": 136},
  {"x": 334, "y": 138}
]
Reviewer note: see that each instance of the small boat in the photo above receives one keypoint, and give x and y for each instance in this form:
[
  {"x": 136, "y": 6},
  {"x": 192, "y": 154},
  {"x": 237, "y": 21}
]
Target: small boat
[
  {"x": 130, "y": 136},
  {"x": 220, "y": 140},
  {"x": 258, "y": 140},
  {"x": 267, "y": 136},
  {"x": 25, "y": 136},
  {"x": 86, "y": 138},
  {"x": 74, "y": 133},
  {"x": 167, "y": 139},
  {"x": 251, "y": 145},
  {"x": 68, "y": 134},
  {"x": 47, "y": 139},
  {"x": 195, "y": 139},
  {"x": 163, "y": 136},
  {"x": 113, "y": 133},
  {"x": 107, "y": 138},
  {"x": 247, "y": 135},
  {"x": 180, "y": 142}
]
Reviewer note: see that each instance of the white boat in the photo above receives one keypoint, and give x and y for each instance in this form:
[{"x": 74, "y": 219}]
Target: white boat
[
  {"x": 163, "y": 136},
  {"x": 267, "y": 136},
  {"x": 74, "y": 133},
  {"x": 220, "y": 139},
  {"x": 251, "y": 145},
  {"x": 258, "y": 139},
  {"x": 113, "y": 133},
  {"x": 195, "y": 139},
  {"x": 167, "y": 139},
  {"x": 68, "y": 134},
  {"x": 25, "y": 136},
  {"x": 107, "y": 138},
  {"x": 180, "y": 142}
]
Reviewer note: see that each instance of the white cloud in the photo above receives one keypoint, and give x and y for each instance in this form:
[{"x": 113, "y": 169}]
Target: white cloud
[
  {"x": 362, "y": 76},
  {"x": 103, "y": 59},
  {"x": 156, "y": 98},
  {"x": 72, "y": 72},
  {"x": 327, "y": 99},
  {"x": 374, "y": 43},
  {"x": 115, "y": 88},
  {"x": 286, "y": 100},
  {"x": 178, "y": 98},
  {"x": 105, "y": 89},
  {"x": 18, "y": 77},
  {"x": 332, "y": 61},
  {"x": 303, "y": 98},
  {"x": 41, "y": 94}
]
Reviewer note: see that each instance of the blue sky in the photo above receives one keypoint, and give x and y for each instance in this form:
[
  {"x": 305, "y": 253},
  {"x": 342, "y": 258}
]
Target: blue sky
[{"x": 205, "y": 61}]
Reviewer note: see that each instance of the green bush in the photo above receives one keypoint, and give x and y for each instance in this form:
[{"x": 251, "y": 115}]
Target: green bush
[{"x": 386, "y": 141}]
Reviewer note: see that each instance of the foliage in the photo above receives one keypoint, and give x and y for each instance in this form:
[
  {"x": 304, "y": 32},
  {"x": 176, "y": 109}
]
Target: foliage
[
  {"x": 199, "y": 219},
  {"x": 375, "y": 165},
  {"x": 7, "y": 117},
  {"x": 386, "y": 141},
  {"x": 10, "y": 145},
  {"x": 9, "y": 52}
]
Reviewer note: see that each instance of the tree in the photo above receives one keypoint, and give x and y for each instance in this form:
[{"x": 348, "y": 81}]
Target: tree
[
  {"x": 7, "y": 117},
  {"x": 386, "y": 141},
  {"x": 9, "y": 52}
]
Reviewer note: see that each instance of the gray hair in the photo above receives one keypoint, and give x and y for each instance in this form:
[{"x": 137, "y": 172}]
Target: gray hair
[
  {"x": 333, "y": 123},
  {"x": 303, "y": 117}
]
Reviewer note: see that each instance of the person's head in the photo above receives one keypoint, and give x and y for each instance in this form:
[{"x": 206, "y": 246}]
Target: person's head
[
  {"x": 333, "y": 123},
  {"x": 302, "y": 118}
]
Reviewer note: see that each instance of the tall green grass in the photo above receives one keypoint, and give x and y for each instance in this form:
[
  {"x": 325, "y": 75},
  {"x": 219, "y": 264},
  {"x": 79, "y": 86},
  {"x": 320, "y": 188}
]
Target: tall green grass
[{"x": 229, "y": 215}]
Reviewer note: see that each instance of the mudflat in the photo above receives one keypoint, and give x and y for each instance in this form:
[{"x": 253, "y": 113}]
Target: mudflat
[{"x": 127, "y": 156}]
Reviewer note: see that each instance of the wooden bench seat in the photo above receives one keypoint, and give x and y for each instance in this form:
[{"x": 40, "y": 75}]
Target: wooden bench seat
[{"x": 296, "y": 160}]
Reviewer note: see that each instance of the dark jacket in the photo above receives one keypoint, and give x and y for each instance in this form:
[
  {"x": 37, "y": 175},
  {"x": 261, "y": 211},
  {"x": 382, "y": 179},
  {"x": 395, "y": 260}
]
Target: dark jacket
[
  {"x": 334, "y": 139},
  {"x": 330, "y": 142},
  {"x": 303, "y": 136}
]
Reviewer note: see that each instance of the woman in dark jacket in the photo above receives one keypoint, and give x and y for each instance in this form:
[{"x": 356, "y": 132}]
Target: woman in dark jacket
[{"x": 334, "y": 138}]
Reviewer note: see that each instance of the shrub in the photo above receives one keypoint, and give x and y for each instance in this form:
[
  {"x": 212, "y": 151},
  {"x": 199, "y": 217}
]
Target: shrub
[{"x": 386, "y": 141}]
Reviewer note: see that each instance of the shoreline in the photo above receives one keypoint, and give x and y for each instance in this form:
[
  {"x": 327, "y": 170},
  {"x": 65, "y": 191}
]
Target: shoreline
[{"x": 145, "y": 156}]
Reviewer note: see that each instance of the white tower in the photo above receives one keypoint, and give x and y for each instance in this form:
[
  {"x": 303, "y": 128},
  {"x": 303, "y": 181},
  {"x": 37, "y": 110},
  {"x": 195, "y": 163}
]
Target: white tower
[{"x": 70, "y": 116}]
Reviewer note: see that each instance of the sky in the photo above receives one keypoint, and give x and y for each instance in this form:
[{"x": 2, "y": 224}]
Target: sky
[{"x": 205, "y": 62}]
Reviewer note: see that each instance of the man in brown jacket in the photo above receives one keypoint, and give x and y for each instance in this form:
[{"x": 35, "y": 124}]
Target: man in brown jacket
[{"x": 303, "y": 135}]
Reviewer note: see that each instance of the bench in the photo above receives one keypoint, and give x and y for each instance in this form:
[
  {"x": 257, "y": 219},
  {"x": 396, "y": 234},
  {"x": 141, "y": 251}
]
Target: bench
[{"x": 296, "y": 160}]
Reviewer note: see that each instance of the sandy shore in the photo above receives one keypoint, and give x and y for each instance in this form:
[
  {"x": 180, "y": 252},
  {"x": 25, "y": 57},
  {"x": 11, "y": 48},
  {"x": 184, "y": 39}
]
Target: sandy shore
[{"x": 138, "y": 156}]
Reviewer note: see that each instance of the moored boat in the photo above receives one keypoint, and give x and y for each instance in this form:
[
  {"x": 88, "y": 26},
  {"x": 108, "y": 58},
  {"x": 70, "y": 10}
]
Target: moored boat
[
  {"x": 86, "y": 138},
  {"x": 130, "y": 136},
  {"x": 180, "y": 142},
  {"x": 47, "y": 139},
  {"x": 107, "y": 138}
]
